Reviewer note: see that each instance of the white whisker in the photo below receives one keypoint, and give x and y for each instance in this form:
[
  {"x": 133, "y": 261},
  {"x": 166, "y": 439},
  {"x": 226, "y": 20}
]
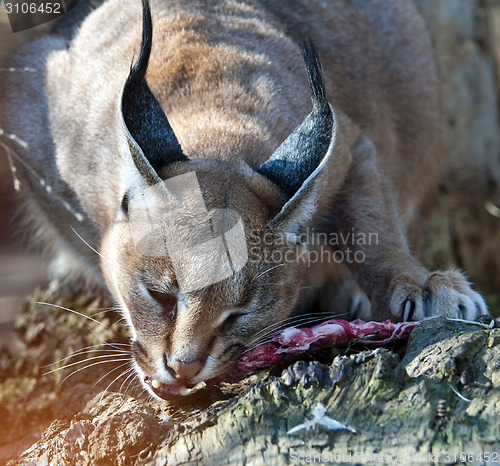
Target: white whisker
[
  {"x": 261, "y": 339},
  {"x": 93, "y": 249},
  {"x": 93, "y": 358},
  {"x": 74, "y": 312},
  {"x": 110, "y": 372},
  {"x": 86, "y": 351},
  {"x": 135, "y": 380},
  {"x": 257, "y": 275},
  {"x": 291, "y": 320},
  {"x": 112, "y": 382},
  {"x": 144, "y": 390},
  {"x": 93, "y": 364},
  {"x": 113, "y": 345},
  {"x": 131, "y": 375},
  {"x": 293, "y": 324},
  {"x": 105, "y": 311}
]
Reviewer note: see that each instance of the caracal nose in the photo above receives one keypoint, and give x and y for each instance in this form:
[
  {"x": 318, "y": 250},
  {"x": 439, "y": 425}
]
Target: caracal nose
[{"x": 185, "y": 370}]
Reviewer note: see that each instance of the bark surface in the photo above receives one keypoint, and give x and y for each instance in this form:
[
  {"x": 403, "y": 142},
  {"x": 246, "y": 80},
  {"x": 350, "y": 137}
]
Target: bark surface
[{"x": 440, "y": 395}]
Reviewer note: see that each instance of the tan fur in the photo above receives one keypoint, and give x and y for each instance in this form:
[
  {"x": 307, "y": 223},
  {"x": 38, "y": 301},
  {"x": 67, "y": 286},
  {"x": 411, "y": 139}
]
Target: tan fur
[{"x": 230, "y": 79}]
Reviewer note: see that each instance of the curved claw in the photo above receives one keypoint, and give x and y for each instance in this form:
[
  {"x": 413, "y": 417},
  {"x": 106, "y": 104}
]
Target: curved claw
[{"x": 408, "y": 309}]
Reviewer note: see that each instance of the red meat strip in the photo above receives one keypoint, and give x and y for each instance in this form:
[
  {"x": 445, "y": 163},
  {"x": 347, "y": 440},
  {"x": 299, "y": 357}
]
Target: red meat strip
[{"x": 293, "y": 341}]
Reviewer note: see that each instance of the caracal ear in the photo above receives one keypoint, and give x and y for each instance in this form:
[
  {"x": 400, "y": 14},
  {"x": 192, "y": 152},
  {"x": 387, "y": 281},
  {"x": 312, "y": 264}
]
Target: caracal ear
[
  {"x": 299, "y": 165},
  {"x": 146, "y": 130}
]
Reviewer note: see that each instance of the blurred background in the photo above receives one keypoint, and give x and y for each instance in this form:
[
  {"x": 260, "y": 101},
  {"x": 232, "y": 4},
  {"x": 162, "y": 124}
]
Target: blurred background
[
  {"x": 465, "y": 228},
  {"x": 20, "y": 270}
]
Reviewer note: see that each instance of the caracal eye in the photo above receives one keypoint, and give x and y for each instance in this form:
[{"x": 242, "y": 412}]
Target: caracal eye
[
  {"x": 230, "y": 319},
  {"x": 167, "y": 301}
]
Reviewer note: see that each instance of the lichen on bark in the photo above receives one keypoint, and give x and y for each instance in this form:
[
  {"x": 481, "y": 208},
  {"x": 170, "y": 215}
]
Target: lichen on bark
[{"x": 403, "y": 402}]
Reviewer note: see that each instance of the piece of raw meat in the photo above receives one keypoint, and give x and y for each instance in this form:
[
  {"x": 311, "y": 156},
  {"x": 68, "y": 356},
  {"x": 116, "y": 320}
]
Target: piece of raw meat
[{"x": 293, "y": 341}]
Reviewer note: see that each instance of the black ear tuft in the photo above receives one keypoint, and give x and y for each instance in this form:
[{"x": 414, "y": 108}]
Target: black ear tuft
[
  {"x": 315, "y": 76},
  {"x": 143, "y": 117},
  {"x": 303, "y": 151}
]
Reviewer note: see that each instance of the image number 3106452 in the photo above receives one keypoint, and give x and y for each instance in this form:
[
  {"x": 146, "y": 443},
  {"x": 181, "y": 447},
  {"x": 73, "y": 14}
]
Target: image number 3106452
[{"x": 27, "y": 14}]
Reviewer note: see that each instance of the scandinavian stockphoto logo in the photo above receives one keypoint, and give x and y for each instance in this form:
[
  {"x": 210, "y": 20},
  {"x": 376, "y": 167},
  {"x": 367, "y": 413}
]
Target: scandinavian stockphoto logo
[
  {"x": 27, "y": 14},
  {"x": 171, "y": 218}
]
